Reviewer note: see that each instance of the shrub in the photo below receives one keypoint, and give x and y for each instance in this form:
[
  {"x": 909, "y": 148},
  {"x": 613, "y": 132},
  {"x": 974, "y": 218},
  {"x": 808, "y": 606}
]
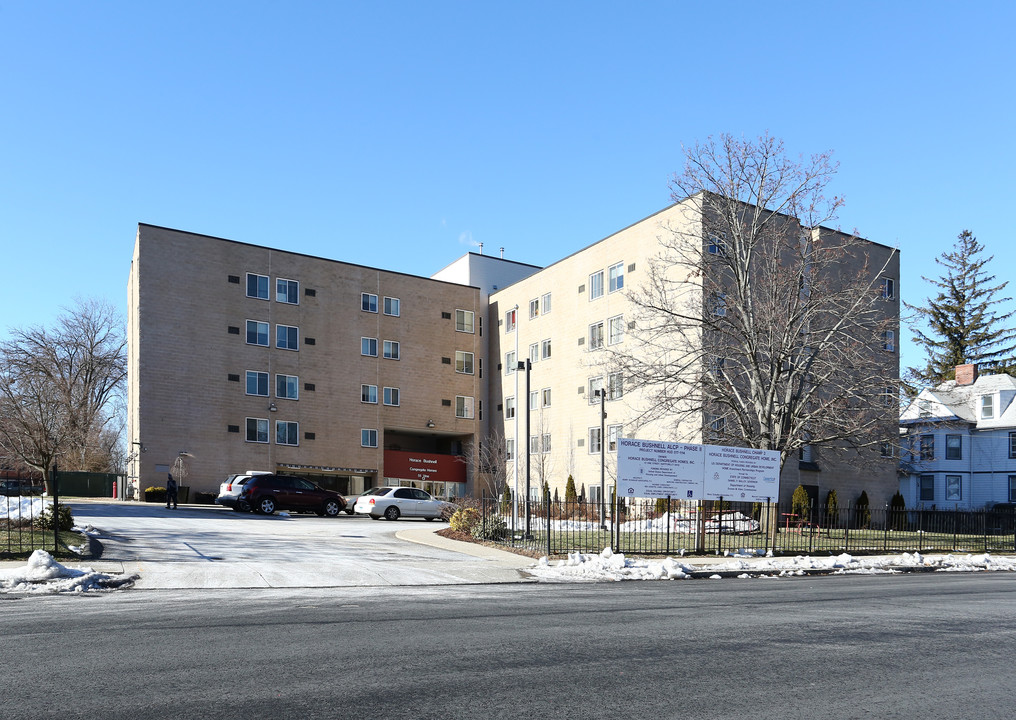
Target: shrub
[
  {"x": 506, "y": 500},
  {"x": 898, "y": 512},
  {"x": 832, "y": 508},
  {"x": 464, "y": 520},
  {"x": 800, "y": 503},
  {"x": 569, "y": 490},
  {"x": 546, "y": 491},
  {"x": 493, "y": 527},
  {"x": 862, "y": 511},
  {"x": 661, "y": 506},
  {"x": 65, "y": 519},
  {"x": 155, "y": 494}
]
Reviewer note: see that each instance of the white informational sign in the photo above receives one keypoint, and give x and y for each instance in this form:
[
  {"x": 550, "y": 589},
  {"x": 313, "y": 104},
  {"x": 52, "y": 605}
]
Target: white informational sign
[
  {"x": 687, "y": 471},
  {"x": 647, "y": 468},
  {"x": 746, "y": 474}
]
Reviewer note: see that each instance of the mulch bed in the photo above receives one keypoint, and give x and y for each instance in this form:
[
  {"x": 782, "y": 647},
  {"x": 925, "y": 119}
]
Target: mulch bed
[{"x": 466, "y": 537}]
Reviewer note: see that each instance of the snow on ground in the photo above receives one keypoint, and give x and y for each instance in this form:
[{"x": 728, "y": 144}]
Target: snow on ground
[
  {"x": 43, "y": 574},
  {"x": 15, "y": 508},
  {"x": 608, "y": 566}
]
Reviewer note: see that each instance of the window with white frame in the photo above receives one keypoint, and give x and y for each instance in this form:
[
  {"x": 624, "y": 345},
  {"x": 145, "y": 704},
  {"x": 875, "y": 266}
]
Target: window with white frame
[
  {"x": 615, "y": 330},
  {"x": 987, "y": 407},
  {"x": 391, "y": 349},
  {"x": 391, "y": 396},
  {"x": 545, "y": 302},
  {"x": 595, "y": 386},
  {"x": 368, "y": 394},
  {"x": 926, "y": 488},
  {"x": 368, "y": 346},
  {"x": 464, "y": 321},
  {"x": 615, "y": 386},
  {"x": 257, "y": 430},
  {"x": 927, "y": 447},
  {"x": 717, "y": 243},
  {"x": 545, "y": 349},
  {"x": 509, "y": 321},
  {"x": 595, "y": 440},
  {"x": 287, "y": 387},
  {"x": 287, "y": 337},
  {"x": 953, "y": 488},
  {"x": 596, "y": 285},
  {"x": 545, "y": 397},
  {"x": 613, "y": 433},
  {"x": 257, "y": 333},
  {"x": 615, "y": 277},
  {"x": 463, "y": 362},
  {"x": 392, "y": 306},
  {"x": 509, "y": 448},
  {"x": 923, "y": 407},
  {"x": 368, "y": 302},
  {"x": 534, "y": 444},
  {"x": 287, "y": 433},
  {"x": 463, "y": 406},
  {"x": 534, "y": 353},
  {"x": 257, "y": 383},
  {"x": 545, "y": 445},
  {"x": 596, "y": 336},
  {"x": 509, "y": 408},
  {"x": 257, "y": 286},
  {"x": 534, "y": 308},
  {"x": 888, "y": 288},
  {"x": 534, "y": 399},
  {"x": 368, "y": 437},
  {"x": 510, "y": 365},
  {"x": 889, "y": 341},
  {"x": 287, "y": 291}
]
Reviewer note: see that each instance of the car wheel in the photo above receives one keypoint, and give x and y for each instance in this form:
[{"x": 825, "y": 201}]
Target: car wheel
[
  {"x": 350, "y": 511},
  {"x": 429, "y": 519},
  {"x": 266, "y": 506},
  {"x": 332, "y": 508},
  {"x": 392, "y": 513},
  {"x": 243, "y": 506}
]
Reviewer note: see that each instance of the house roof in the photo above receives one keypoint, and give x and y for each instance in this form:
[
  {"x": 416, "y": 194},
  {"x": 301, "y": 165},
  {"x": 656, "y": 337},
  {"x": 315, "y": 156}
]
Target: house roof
[{"x": 950, "y": 401}]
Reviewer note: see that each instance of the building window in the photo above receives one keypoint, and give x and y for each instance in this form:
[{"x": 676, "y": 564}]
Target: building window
[
  {"x": 953, "y": 447},
  {"x": 368, "y": 394},
  {"x": 596, "y": 285},
  {"x": 545, "y": 446},
  {"x": 287, "y": 387},
  {"x": 391, "y": 396},
  {"x": 613, "y": 433},
  {"x": 509, "y": 448},
  {"x": 885, "y": 449},
  {"x": 287, "y": 291},
  {"x": 545, "y": 301},
  {"x": 392, "y": 306},
  {"x": 545, "y": 397},
  {"x": 534, "y": 444},
  {"x": 596, "y": 336},
  {"x": 717, "y": 425},
  {"x": 368, "y": 347},
  {"x": 368, "y": 302},
  {"x": 510, "y": 365},
  {"x": 287, "y": 433},
  {"x": 927, "y": 447},
  {"x": 926, "y": 488},
  {"x": 257, "y": 333},
  {"x": 257, "y": 286},
  {"x": 615, "y": 386},
  {"x": 953, "y": 488},
  {"x": 463, "y": 362},
  {"x": 595, "y": 386},
  {"x": 1012, "y": 488},
  {"x": 287, "y": 337},
  {"x": 595, "y": 440},
  {"x": 464, "y": 321},
  {"x": 257, "y": 430},
  {"x": 889, "y": 341},
  {"x": 509, "y": 321},
  {"x": 463, "y": 406},
  {"x": 717, "y": 243},
  {"x": 368, "y": 438},
  {"x": 923, "y": 407},
  {"x": 509, "y": 408},
  {"x": 534, "y": 308},
  {"x": 1012, "y": 445},
  {"x": 391, "y": 350},
  {"x": 720, "y": 305},
  {"x": 615, "y": 277},
  {"x": 534, "y": 353},
  {"x": 257, "y": 383},
  {"x": 615, "y": 330},
  {"x": 987, "y": 407},
  {"x": 545, "y": 349},
  {"x": 888, "y": 288},
  {"x": 534, "y": 399}
]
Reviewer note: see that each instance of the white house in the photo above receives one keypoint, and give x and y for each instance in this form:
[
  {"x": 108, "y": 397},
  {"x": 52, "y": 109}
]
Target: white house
[{"x": 958, "y": 443}]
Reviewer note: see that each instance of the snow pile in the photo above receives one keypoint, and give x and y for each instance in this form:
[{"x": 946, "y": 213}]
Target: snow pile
[
  {"x": 43, "y": 574},
  {"x": 608, "y": 566},
  {"x": 17, "y": 508}
]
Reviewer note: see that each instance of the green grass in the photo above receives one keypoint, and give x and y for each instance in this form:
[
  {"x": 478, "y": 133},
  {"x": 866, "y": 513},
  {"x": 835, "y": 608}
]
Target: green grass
[{"x": 19, "y": 543}]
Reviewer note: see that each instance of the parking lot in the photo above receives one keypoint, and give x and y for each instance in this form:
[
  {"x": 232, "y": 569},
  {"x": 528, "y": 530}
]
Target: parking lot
[{"x": 210, "y": 546}]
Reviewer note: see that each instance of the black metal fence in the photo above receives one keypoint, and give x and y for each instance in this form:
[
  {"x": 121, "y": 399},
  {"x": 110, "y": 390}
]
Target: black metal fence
[
  {"x": 666, "y": 527},
  {"x": 24, "y": 526}
]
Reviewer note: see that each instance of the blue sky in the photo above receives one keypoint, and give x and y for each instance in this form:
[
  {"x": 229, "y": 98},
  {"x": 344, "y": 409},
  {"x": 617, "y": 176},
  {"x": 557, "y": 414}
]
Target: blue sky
[{"x": 399, "y": 135}]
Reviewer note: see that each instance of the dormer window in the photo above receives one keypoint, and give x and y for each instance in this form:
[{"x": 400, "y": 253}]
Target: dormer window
[
  {"x": 924, "y": 408},
  {"x": 987, "y": 407}
]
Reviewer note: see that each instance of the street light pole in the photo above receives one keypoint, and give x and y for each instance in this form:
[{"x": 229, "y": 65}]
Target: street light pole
[
  {"x": 603, "y": 458},
  {"x": 528, "y": 366}
]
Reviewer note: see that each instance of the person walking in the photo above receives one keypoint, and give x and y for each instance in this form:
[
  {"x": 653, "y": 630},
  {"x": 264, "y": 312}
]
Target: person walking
[{"x": 171, "y": 491}]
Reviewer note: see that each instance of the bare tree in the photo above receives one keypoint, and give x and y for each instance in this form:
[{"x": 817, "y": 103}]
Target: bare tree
[
  {"x": 493, "y": 466},
  {"x": 757, "y": 325},
  {"x": 56, "y": 386}
]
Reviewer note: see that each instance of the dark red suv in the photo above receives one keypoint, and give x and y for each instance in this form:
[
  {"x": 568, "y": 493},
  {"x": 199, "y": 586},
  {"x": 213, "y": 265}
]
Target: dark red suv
[{"x": 268, "y": 493}]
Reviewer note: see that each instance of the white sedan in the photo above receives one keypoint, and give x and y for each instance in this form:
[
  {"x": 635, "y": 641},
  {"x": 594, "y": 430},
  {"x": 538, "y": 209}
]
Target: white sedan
[{"x": 392, "y": 503}]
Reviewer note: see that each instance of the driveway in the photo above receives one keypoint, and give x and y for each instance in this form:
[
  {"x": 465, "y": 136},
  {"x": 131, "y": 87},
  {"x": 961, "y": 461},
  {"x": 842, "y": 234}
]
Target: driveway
[{"x": 200, "y": 546}]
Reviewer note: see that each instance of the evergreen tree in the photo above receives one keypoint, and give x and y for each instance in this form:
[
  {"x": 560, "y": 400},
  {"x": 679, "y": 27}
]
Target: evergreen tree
[
  {"x": 569, "y": 490},
  {"x": 962, "y": 320}
]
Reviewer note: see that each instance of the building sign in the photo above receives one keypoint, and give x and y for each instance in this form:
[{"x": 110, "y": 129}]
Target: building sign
[
  {"x": 648, "y": 468},
  {"x": 424, "y": 467}
]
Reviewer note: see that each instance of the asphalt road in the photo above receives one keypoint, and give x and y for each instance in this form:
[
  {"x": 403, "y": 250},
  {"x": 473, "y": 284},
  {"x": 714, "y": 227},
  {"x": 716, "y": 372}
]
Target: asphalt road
[{"x": 914, "y": 646}]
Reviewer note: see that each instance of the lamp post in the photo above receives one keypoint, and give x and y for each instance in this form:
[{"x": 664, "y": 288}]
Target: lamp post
[
  {"x": 603, "y": 458},
  {"x": 527, "y": 366}
]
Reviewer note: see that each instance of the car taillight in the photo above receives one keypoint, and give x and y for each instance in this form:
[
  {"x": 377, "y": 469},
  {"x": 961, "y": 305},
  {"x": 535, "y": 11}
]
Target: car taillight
[
  {"x": 371, "y": 501},
  {"x": 229, "y": 487}
]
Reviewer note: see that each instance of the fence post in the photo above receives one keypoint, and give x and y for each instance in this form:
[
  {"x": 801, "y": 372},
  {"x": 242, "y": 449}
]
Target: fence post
[
  {"x": 56, "y": 513},
  {"x": 846, "y": 530},
  {"x": 885, "y": 530},
  {"x": 669, "y": 521},
  {"x": 547, "y": 503}
]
